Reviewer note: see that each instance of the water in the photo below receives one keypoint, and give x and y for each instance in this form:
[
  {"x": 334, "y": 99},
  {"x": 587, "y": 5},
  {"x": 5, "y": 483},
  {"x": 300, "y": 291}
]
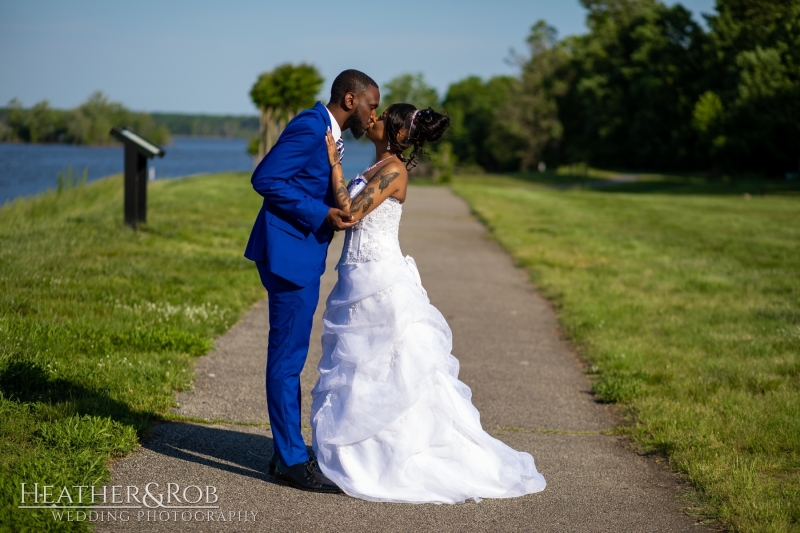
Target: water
[{"x": 27, "y": 169}]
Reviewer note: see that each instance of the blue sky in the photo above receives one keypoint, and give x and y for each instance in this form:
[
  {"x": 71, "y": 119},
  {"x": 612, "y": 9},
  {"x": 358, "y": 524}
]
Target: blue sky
[{"x": 203, "y": 56}]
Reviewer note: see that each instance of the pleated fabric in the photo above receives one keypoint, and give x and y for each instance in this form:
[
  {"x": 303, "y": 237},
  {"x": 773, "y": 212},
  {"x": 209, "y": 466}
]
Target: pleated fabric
[{"x": 391, "y": 421}]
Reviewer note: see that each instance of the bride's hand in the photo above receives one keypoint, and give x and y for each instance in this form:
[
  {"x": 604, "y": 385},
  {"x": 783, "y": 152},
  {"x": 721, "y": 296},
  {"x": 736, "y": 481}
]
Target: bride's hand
[{"x": 333, "y": 151}]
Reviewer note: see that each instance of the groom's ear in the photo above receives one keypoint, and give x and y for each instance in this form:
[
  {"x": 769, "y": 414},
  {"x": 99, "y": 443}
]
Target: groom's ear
[{"x": 349, "y": 101}]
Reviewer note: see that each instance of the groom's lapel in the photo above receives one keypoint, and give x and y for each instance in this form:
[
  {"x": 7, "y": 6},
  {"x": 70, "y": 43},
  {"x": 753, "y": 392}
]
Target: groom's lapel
[{"x": 319, "y": 108}]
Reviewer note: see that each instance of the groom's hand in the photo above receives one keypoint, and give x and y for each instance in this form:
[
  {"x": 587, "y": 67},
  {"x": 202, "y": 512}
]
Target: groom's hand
[{"x": 339, "y": 220}]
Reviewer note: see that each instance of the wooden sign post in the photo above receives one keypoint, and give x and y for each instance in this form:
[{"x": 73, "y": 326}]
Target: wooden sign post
[{"x": 137, "y": 151}]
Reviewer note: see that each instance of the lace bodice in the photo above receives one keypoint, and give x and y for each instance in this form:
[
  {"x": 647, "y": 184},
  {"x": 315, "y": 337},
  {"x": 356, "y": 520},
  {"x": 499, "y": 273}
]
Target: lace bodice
[{"x": 375, "y": 237}]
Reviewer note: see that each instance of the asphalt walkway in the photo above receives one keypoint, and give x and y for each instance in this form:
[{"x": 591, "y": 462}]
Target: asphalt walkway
[{"x": 526, "y": 382}]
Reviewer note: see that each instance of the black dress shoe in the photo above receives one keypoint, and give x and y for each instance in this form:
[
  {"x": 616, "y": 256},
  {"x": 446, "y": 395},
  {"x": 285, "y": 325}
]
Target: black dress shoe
[
  {"x": 273, "y": 462},
  {"x": 304, "y": 476}
]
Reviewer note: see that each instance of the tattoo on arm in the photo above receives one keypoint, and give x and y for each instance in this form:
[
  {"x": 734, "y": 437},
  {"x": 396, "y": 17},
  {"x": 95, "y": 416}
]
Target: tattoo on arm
[
  {"x": 386, "y": 179},
  {"x": 342, "y": 197},
  {"x": 341, "y": 193},
  {"x": 364, "y": 202}
]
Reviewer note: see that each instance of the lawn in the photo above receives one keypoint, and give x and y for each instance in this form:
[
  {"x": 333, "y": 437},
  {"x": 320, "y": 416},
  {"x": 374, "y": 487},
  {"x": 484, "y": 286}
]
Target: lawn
[
  {"x": 100, "y": 325},
  {"x": 684, "y": 298}
]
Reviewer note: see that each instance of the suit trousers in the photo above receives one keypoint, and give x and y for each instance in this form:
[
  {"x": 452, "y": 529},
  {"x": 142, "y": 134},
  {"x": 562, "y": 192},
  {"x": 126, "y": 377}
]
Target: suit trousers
[{"x": 291, "y": 315}]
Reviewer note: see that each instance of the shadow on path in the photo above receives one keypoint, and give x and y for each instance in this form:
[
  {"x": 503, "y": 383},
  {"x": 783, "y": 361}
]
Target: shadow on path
[{"x": 238, "y": 452}]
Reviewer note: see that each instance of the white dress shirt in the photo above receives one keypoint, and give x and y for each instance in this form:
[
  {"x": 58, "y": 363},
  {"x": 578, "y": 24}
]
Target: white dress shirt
[{"x": 335, "y": 129}]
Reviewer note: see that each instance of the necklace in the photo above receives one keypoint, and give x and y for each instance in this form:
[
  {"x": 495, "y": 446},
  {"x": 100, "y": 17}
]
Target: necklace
[{"x": 376, "y": 164}]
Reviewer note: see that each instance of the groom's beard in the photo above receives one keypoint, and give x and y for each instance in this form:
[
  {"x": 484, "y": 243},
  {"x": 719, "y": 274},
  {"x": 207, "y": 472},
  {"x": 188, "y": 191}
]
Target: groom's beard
[{"x": 356, "y": 126}]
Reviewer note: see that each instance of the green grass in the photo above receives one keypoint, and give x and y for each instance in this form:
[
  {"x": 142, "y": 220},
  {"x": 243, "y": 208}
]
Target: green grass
[
  {"x": 99, "y": 325},
  {"x": 687, "y": 307}
]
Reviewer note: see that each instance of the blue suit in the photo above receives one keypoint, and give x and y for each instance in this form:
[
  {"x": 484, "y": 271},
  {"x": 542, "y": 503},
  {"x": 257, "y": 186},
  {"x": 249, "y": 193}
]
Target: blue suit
[{"x": 289, "y": 243}]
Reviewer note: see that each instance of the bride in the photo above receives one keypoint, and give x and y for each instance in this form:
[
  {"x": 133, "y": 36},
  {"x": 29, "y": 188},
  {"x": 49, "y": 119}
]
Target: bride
[{"x": 391, "y": 421}]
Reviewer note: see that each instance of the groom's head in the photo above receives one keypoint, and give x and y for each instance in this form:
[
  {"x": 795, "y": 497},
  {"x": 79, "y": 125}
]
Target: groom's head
[{"x": 357, "y": 95}]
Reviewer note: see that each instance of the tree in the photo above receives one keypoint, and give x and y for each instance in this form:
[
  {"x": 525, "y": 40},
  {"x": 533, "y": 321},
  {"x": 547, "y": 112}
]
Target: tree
[
  {"x": 17, "y": 123},
  {"x": 528, "y": 119},
  {"x": 633, "y": 81},
  {"x": 89, "y": 123},
  {"x": 40, "y": 123},
  {"x": 92, "y": 120},
  {"x": 754, "y": 53},
  {"x": 279, "y": 95},
  {"x": 472, "y": 106},
  {"x": 410, "y": 89},
  {"x": 646, "y": 88},
  {"x": 45, "y": 123}
]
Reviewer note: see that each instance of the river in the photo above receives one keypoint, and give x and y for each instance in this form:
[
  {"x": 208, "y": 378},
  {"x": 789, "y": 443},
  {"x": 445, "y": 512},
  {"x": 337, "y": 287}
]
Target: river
[{"x": 28, "y": 169}]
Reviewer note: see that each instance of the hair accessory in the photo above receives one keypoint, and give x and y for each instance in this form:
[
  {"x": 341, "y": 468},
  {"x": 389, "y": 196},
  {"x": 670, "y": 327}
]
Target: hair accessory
[{"x": 411, "y": 124}]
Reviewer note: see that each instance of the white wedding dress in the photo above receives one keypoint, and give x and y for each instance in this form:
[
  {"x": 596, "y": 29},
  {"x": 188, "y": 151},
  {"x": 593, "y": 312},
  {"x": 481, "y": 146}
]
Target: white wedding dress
[{"x": 391, "y": 421}]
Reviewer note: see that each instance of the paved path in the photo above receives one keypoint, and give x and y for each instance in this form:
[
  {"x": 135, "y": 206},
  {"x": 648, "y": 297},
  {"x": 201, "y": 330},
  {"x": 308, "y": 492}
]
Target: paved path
[{"x": 527, "y": 384}]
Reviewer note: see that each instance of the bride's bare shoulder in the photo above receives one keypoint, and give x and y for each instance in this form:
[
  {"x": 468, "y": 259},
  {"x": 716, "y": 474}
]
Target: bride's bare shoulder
[
  {"x": 394, "y": 168},
  {"x": 395, "y": 174}
]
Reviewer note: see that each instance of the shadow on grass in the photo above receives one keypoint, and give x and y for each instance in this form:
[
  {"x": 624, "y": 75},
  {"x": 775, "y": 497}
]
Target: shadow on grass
[
  {"x": 643, "y": 183},
  {"x": 27, "y": 382},
  {"x": 238, "y": 452}
]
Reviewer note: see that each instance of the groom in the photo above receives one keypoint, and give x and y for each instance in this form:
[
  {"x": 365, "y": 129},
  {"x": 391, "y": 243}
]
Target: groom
[{"x": 289, "y": 243}]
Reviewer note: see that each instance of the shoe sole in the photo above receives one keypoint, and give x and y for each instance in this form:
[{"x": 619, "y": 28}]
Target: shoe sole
[{"x": 306, "y": 489}]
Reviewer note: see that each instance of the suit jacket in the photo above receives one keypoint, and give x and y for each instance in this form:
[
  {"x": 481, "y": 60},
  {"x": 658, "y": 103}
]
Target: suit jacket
[{"x": 290, "y": 233}]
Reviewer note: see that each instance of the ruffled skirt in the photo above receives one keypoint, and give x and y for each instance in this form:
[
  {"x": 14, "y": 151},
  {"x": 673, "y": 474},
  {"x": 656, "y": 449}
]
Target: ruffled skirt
[{"x": 391, "y": 421}]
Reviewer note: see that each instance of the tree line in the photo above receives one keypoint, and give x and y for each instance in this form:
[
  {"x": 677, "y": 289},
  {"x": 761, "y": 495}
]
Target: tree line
[
  {"x": 646, "y": 88},
  {"x": 228, "y": 126},
  {"x": 89, "y": 123}
]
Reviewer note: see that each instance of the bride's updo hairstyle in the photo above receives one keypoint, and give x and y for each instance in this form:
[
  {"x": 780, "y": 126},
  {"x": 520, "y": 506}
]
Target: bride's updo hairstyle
[{"x": 423, "y": 126}]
